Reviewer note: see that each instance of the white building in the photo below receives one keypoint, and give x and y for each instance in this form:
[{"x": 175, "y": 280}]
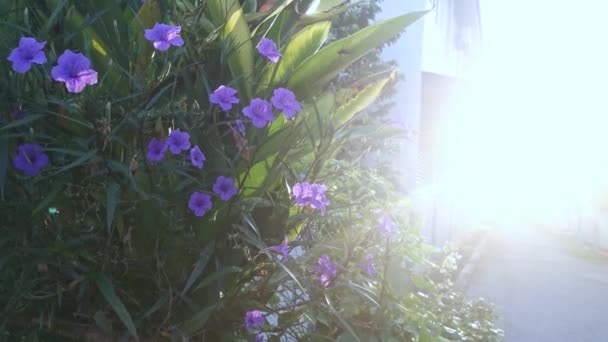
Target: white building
[{"x": 433, "y": 54}]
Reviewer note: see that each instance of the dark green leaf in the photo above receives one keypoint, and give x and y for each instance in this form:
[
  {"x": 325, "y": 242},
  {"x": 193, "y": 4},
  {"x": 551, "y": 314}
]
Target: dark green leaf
[
  {"x": 107, "y": 290},
  {"x": 112, "y": 194}
]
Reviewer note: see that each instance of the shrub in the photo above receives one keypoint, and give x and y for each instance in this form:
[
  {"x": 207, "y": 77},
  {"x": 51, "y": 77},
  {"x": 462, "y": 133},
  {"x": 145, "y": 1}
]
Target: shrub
[{"x": 168, "y": 169}]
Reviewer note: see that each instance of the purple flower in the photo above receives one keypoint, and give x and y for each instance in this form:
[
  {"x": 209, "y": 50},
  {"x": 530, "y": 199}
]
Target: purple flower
[
  {"x": 259, "y": 111},
  {"x": 156, "y": 150},
  {"x": 240, "y": 126},
  {"x": 21, "y": 114},
  {"x": 199, "y": 203},
  {"x": 224, "y": 187},
  {"x": 312, "y": 195},
  {"x": 326, "y": 270},
  {"x": 74, "y": 69},
  {"x": 30, "y": 159},
  {"x": 254, "y": 320},
  {"x": 260, "y": 337},
  {"x": 163, "y": 36},
  {"x": 29, "y": 51},
  {"x": 285, "y": 100},
  {"x": 283, "y": 249},
  {"x": 386, "y": 225},
  {"x": 369, "y": 266},
  {"x": 197, "y": 157},
  {"x": 268, "y": 49},
  {"x": 224, "y": 97},
  {"x": 178, "y": 141}
]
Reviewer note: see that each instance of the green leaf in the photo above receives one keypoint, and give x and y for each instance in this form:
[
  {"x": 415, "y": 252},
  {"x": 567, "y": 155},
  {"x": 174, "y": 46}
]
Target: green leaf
[
  {"x": 112, "y": 194},
  {"x": 199, "y": 267},
  {"x": 83, "y": 158},
  {"x": 327, "y": 10},
  {"x": 319, "y": 69},
  {"x": 3, "y": 165},
  {"x": 147, "y": 16},
  {"x": 107, "y": 290},
  {"x": 197, "y": 321},
  {"x": 57, "y": 188},
  {"x": 358, "y": 102},
  {"x": 219, "y": 274},
  {"x": 303, "y": 45},
  {"x": 25, "y": 120},
  {"x": 238, "y": 48},
  {"x": 251, "y": 180},
  {"x": 250, "y": 6}
]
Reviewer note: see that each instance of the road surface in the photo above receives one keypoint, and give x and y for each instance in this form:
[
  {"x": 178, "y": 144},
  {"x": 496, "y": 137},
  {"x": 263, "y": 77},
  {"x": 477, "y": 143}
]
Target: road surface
[{"x": 543, "y": 291}]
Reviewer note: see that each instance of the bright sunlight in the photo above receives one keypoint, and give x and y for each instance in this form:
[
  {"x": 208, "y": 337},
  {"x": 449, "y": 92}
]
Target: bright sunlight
[{"x": 528, "y": 135}]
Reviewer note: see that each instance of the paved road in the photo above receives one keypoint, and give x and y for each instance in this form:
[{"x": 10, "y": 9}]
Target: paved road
[{"x": 543, "y": 292}]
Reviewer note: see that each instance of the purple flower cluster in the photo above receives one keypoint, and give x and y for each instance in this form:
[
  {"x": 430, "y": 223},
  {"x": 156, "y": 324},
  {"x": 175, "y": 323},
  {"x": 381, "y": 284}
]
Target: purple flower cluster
[
  {"x": 326, "y": 271},
  {"x": 163, "y": 36},
  {"x": 74, "y": 69},
  {"x": 310, "y": 194},
  {"x": 259, "y": 111},
  {"x": 283, "y": 249},
  {"x": 176, "y": 142},
  {"x": 30, "y": 159},
  {"x": 254, "y": 320}
]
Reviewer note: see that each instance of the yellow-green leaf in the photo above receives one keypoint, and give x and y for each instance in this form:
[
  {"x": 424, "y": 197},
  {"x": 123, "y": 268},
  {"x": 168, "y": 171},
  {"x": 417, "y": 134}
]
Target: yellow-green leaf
[
  {"x": 303, "y": 45},
  {"x": 320, "y": 68},
  {"x": 236, "y": 40}
]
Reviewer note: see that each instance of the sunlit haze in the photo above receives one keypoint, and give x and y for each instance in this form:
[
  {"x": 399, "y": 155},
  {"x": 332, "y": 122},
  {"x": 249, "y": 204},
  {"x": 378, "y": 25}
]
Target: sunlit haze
[{"x": 528, "y": 131}]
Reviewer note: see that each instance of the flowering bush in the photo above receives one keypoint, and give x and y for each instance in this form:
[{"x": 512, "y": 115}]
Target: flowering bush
[{"x": 159, "y": 192}]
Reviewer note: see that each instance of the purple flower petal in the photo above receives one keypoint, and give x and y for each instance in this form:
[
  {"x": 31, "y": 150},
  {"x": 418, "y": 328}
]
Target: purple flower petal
[
  {"x": 260, "y": 112},
  {"x": 27, "y": 52},
  {"x": 30, "y": 159},
  {"x": 284, "y": 100},
  {"x": 313, "y": 195},
  {"x": 197, "y": 158},
  {"x": 268, "y": 49},
  {"x": 225, "y": 97},
  {"x": 74, "y": 70},
  {"x": 224, "y": 187},
  {"x": 163, "y": 36},
  {"x": 178, "y": 141},
  {"x": 283, "y": 249},
  {"x": 156, "y": 150},
  {"x": 254, "y": 320},
  {"x": 199, "y": 203}
]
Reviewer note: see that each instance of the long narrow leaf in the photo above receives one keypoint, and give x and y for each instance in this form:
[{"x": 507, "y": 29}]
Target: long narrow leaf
[
  {"x": 107, "y": 290},
  {"x": 319, "y": 69}
]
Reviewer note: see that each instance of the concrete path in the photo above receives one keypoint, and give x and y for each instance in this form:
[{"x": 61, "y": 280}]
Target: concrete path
[{"x": 543, "y": 290}]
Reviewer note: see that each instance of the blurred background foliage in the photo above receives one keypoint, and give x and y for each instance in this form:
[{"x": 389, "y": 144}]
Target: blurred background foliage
[{"x": 101, "y": 245}]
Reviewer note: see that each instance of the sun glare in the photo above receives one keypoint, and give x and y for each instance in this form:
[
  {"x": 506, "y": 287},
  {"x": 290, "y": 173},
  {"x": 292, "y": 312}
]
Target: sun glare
[{"x": 530, "y": 126}]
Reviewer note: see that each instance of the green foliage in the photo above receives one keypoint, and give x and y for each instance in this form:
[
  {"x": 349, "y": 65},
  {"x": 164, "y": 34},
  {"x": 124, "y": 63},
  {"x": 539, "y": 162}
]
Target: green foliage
[{"x": 102, "y": 244}]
